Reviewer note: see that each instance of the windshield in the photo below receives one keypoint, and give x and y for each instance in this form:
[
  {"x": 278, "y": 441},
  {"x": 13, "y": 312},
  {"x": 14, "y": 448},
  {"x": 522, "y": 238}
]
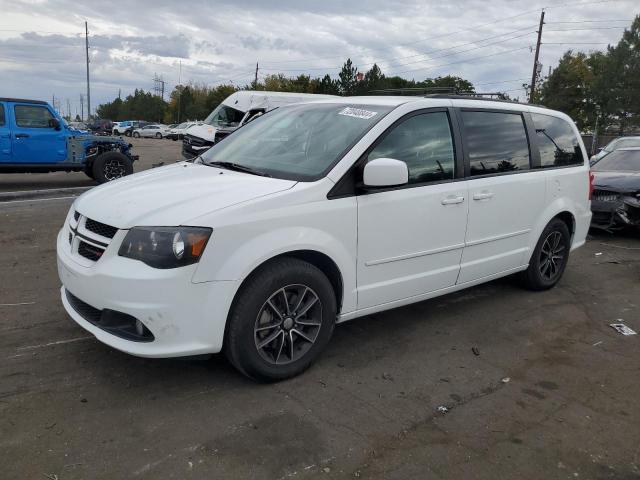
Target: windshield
[
  {"x": 224, "y": 116},
  {"x": 299, "y": 142},
  {"x": 619, "y": 161}
]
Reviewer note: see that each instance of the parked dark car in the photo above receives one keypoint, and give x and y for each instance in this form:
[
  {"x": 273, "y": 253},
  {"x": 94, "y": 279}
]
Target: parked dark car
[
  {"x": 615, "y": 202},
  {"x": 100, "y": 126}
]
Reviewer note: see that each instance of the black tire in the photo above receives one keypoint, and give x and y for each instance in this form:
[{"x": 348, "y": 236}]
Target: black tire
[
  {"x": 245, "y": 328},
  {"x": 136, "y": 135},
  {"x": 111, "y": 166},
  {"x": 127, "y": 133},
  {"x": 88, "y": 170},
  {"x": 158, "y": 135},
  {"x": 549, "y": 258}
]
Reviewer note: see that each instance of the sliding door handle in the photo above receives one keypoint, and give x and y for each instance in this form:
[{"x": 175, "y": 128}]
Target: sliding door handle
[
  {"x": 22, "y": 135},
  {"x": 451, "y": 200},
  {"x": 482, "y": 196}
]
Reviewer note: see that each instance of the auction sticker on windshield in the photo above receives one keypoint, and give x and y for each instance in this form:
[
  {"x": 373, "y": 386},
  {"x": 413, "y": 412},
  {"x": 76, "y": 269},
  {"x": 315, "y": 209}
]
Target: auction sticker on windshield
[{"x": 358, "y": 113}]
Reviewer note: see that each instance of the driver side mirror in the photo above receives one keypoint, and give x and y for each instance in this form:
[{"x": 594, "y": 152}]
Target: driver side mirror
[
  {"x": 54, "y": 123},
  {"x": 385, "y": 172}
]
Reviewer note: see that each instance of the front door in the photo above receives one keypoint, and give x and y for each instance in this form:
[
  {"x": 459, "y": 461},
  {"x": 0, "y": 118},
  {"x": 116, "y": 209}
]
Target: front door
[
  {"x": 410, "y": 239},
  {"x": 5, "y": 135},
  {"x": 34, "y": 138},
  {"x": 505, "y": 195}
]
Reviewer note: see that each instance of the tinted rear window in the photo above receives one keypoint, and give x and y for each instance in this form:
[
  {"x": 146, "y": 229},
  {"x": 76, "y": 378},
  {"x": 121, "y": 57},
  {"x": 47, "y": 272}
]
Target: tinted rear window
[
  {"x": 496, "y": 142},
  {"x": 2, "y": 115},
  {"x": 557, "y": 142}
]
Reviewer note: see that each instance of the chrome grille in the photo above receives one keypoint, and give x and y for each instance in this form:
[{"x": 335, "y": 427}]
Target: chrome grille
[
  {"x": 89, "y": 238},
  {"x": 101, "y": 229},
  {"x": 605, "y": 196}
]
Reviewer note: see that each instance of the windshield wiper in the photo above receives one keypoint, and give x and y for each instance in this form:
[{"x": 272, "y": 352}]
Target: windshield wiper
[{"x": 238, "y": 168}]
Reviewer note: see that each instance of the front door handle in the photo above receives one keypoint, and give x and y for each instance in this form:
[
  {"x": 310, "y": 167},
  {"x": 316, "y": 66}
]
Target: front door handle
[
  {"x": 451, "y": 200},
  {"x": 22, "y": 135},
  {"x": 482, "y": 196}
]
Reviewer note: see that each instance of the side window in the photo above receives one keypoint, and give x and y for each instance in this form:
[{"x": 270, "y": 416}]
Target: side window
[
  {"x": 2, "y": 120},
  {"x": 33, "y": 116},
  {"x": 557, "y": 142},
  {"x": 424, "y": 143},
  {"x": 496, "y": 141}
]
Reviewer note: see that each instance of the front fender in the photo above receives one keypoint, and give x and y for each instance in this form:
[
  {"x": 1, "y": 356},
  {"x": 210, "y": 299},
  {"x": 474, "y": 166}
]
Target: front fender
[{"x": 239, "y": 261}]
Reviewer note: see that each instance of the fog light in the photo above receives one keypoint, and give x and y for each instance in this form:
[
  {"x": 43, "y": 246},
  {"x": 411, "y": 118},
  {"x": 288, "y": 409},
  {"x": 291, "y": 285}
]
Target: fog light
[{"x": 139, "y": 328}]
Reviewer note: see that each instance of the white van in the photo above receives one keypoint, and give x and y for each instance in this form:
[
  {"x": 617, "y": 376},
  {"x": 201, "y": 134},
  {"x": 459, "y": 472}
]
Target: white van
[
  {"x": 236, "y": 110},
  {"x": 318, "y": 213}
]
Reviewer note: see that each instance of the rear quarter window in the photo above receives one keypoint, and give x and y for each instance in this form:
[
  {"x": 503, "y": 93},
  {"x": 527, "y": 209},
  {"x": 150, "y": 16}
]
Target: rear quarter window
[
  {"x": 496, "y": 142},
  {"x": 557, "y": 142}
]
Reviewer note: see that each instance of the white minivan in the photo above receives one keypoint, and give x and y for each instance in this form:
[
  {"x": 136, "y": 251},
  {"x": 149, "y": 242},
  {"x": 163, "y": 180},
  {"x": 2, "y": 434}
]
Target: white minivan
[{"x": 317, "y": 213}]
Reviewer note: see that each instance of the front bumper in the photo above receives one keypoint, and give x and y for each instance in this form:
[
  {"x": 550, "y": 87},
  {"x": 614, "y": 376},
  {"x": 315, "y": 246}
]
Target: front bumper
[
  {"x": 194, "y": 146},
  {"x": 185, "y": 318},
  {"x": 615, "y": 215}
]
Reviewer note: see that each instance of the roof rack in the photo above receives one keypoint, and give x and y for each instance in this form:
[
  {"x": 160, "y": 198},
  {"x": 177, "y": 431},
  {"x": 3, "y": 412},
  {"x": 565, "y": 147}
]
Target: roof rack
[{"x": 449, "y": 92}]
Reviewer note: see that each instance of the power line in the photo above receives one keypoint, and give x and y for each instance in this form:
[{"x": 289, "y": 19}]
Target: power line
[
  {"x": 430, "y": 53},
  {"x": 473, "y": 27},
  {"x": 462, "y": 61}
]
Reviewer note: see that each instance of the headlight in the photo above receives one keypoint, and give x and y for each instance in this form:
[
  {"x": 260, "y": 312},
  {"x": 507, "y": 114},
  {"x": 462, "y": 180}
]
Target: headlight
[{"x": 165, "y": 247}]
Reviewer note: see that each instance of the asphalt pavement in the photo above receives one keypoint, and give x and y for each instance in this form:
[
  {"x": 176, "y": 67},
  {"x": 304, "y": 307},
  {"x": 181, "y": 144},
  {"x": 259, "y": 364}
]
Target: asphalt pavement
[{"x": 494, "y": 382}]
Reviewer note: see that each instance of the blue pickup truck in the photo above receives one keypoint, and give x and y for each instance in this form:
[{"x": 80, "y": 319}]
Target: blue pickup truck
[{"x": 33, "y": 138}]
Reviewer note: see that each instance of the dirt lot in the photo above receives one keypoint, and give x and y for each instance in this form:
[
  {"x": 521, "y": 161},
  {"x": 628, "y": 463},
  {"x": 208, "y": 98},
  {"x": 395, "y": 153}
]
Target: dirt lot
[
  {"x": 151, "y": 151},
  {"x": 548, "y": 391}
]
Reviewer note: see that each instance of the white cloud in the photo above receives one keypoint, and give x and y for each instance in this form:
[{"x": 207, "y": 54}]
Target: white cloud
[{"x": 42, "y": 42}]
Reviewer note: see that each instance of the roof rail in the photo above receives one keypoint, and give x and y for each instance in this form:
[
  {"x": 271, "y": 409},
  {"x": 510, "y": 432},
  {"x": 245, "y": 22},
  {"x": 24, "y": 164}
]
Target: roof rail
[
  {"x": 414, "y": 91},
  {"x": 22, "y": 100}
]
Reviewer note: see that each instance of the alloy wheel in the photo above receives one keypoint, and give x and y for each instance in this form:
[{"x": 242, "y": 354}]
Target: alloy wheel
[
  {"x": 288, "y": 324},
  {"x": 114, "y": 168},
  {"x": 552, "y": 256}
]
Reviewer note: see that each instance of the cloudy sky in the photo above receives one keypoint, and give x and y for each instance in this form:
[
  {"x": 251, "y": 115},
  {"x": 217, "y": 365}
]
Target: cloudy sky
[{"x": 490, "y": 43}]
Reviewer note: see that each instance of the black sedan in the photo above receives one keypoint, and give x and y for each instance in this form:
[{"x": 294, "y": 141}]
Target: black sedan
[{"x": 615, "y": 202}]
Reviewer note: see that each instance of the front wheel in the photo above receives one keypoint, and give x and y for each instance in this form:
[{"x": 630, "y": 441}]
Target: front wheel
[
  {"x": 549, "y": 258},
  {"x": 111, "y": 166},
  {"x": 281, "y": 320},
  {"x": 158, "y": 135}
]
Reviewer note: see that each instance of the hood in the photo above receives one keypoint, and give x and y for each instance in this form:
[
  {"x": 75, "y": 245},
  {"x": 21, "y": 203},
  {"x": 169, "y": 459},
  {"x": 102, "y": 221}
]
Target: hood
[
  {"x": 171, "y": 195},
  {"x": 617, "y": 181},
  {"x": 205, "y": 132}
]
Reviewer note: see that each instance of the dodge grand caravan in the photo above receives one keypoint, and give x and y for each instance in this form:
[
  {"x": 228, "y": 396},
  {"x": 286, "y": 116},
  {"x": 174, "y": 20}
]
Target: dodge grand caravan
[{"x": 318, "y": 213}]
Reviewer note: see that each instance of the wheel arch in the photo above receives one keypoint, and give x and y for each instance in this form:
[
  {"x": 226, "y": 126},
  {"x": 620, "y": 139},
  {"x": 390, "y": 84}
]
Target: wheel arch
[{"x": 320, "y": 260}]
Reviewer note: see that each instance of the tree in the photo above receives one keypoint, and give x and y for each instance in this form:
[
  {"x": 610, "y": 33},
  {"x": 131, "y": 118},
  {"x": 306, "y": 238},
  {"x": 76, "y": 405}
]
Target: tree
[
  {"x": 568, "y": 88},
  {"x": 348, "y": 79},
  {"x": 457, "y": 84}
]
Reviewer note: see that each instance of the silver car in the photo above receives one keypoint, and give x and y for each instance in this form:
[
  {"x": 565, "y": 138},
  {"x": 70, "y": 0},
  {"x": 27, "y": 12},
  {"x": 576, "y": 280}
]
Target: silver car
[{"x": 151, "y": 131}]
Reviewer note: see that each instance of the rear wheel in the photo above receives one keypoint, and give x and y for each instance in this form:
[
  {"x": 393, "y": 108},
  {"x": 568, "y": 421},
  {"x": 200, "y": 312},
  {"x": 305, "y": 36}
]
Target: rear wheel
[
  {"x": 549, "y": 258},
  {"x": 127, "y": 133},
  {"x": 281, "y": 320},
  {"x": 136, "y": 135},
  {"x": 158, "y": 135},
  {"x": 111, "y": 166}
]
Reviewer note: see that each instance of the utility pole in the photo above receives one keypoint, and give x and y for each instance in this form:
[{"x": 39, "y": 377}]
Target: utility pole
[
  {"x": 53, "y": 100},
  {"x": 81, "y": 107},
  {"x": 255, "y": 82},
  {"x": 69, "y": 109},
  {"x": 179, "y": 90},
  {"x": 534, "y": 75},
  {"x": 86, "y": 42}
]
